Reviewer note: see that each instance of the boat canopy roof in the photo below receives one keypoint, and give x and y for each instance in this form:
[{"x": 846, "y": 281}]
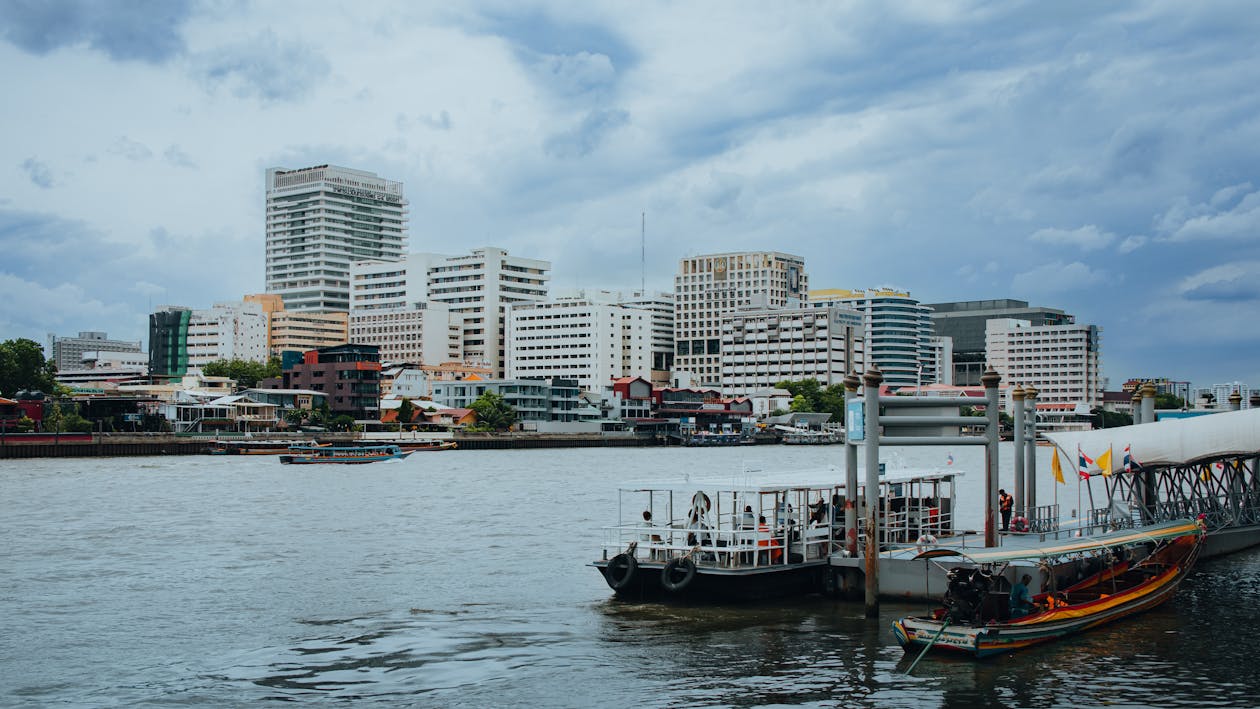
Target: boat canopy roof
[
  {"x": 1078, "y": 545},
  {"x": 1170, "y": 442},
  {"x": 771, "y": 482}
]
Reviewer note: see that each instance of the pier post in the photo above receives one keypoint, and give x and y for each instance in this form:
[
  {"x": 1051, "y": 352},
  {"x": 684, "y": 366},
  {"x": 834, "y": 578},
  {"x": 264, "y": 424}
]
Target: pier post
[
  {"x": 990, "y": 380},
  {"x": 851, "y": 384},
  {"x": 1017, "y": 403},
  {"x": 1148, "y": 403},
  {"x": 1030, "y": 451},
  {"x": 872, "y": 379},
  {"x": 1235, "y": 401},
  {"x": 1137, "y": 405}
]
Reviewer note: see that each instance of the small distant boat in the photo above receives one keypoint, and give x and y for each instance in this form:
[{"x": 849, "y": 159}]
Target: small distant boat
[
  {"x": 257, "y": 447},
  {"x": 344, "y": 454},
  {"x": 812, "y": 438},
  {"x": 418, "y": 446},
  {"x": 975, "y": 618}
]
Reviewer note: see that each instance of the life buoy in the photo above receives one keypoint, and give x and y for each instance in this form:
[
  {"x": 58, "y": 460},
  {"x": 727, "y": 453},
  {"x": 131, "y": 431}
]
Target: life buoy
[
  {"x": 620, "y": 571},
  {"x": 700, "y": 502},
  {"x": 925, "y": 542},
  {"x": 1019, "y": 524},
  {"x": 678, "y": 574}
]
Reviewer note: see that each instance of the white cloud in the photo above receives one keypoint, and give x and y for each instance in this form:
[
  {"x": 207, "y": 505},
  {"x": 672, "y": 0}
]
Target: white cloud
[
  {"x": 1058, "y": 278},
  {"x": 1131, "y": 244}
]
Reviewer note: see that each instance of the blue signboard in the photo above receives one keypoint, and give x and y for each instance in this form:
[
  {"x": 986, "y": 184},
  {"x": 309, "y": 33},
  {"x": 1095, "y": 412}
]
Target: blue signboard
[{"x": 853, "y": 421}]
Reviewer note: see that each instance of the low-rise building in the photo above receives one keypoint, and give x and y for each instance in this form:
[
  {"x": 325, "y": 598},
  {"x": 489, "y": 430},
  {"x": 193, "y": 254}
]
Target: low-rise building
[{"x": 348, "y": 374}]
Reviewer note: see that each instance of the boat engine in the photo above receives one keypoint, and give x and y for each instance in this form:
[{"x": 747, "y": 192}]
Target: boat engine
[{"x": 965, "y": 594}]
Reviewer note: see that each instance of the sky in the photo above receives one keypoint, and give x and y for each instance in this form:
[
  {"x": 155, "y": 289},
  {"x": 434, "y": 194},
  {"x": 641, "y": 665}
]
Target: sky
[{"x": 1101, "y": 158}]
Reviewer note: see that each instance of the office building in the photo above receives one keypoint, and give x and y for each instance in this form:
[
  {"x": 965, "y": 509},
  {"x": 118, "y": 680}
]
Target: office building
[
  {"x": 964, "y": 322},
  {"x": 426, "y": 333},
  {"x": 350, "y": 376},
  {"x": 299, "y": 331},
  {"x": 67, "y": 352},
  {"x": 898, "y": 331},
  {"x": 182, "y": 339},
  {"x": 321, "y": 219},
  {"x": 708, "y": 288}
]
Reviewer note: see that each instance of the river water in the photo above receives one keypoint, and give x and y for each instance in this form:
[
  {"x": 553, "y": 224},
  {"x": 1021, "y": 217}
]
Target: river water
[{"x": 460, "y": 579}]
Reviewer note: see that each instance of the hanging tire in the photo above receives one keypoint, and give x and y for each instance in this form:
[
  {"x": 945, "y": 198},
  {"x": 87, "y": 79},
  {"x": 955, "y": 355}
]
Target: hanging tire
[
  {"x": 677, "y": 574},
  {"x": 620, "y": 571}
]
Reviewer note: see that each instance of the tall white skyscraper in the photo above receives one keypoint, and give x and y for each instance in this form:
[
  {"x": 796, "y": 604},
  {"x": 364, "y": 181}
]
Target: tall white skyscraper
[{"x": 321, "y": 219}]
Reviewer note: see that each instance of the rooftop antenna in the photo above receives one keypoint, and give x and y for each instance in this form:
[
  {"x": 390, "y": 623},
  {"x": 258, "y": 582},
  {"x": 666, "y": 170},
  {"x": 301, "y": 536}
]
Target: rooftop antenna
[{"x": 642, "y": 254}]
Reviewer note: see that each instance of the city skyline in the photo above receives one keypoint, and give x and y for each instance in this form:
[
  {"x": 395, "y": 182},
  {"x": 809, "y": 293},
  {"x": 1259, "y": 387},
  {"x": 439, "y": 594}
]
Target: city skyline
[{"x": 1101, "y": 160}]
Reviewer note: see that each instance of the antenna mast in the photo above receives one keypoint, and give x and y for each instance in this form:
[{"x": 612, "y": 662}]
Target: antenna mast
[{"x": 643, "y": 254}]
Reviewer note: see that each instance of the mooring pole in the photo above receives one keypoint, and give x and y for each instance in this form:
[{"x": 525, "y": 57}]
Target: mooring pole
[
  {"x": 1148, "y": 403},
  {"x": 1030, "y": 452},
  {"x": 872, "y": 379},
  {"x": 990, "y": 380},
  {"x": 1017, "y": 437},
  {"x": 851, "y": 384}
]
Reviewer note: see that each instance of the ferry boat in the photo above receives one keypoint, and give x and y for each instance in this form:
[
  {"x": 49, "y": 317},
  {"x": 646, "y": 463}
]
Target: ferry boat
[
  {"x": 418, "y": 446},
  {"x": 976, "y": 616},
  {"x": 256, "y": 447},
  {"x": 749, "y": 542},
  {"x": 343, "y": 454}
]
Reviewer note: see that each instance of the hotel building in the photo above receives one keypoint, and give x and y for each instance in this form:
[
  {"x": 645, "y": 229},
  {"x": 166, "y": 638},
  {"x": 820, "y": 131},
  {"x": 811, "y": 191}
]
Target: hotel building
[
  {"x": 708, "y": 288},
  {"x": 1061, "y": 361},
  {"x": 319, "y": 220},
  {"x": 761, "y": 348}
]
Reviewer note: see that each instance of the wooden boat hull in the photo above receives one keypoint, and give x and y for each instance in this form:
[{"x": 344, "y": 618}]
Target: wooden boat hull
[{"x": 997, "y": 638}]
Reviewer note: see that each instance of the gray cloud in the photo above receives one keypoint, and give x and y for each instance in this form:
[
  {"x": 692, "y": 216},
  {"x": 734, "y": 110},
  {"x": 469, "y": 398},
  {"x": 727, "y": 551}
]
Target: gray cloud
[
  {"x": 1229, "y": 283},
  {"x": 1086, "y": 238},
  {"x": 437, "y": 121},
  {"x": 177, "y": 157},
  {"x": 139, "y": 30},
  {"x": 585, "y": 137},
  {"x": 265, "y": 67},
  {"x": 38, "y": 172},
  {"x": 131, "y": 149}
]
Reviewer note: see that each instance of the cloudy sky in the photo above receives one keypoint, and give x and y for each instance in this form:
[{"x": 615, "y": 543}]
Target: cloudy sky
[{"x": 1102, "y": 158}]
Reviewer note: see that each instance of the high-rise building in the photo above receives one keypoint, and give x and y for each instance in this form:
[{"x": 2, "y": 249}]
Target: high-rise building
[
  {"x": 761, "y": 348},
  {"x": 964, "y": 322},
  {"x": 661, "y": 307},
  {"x": 709, "y": 287},
  {"x": 579, "y": 339},
  {"x": 67, "y": 352},
  {"x": 319, "y": 220},
  {"x": 181, "y": 338},
  {"x": 1061, "y": 361},
  {"x": 898, "y": 331},
  {"x": 479, "y": 287},
  {"x": 426, "y": 333}
]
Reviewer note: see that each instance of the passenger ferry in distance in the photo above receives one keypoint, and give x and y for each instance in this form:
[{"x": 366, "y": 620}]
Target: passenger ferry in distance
[
  {"x": 342, "y": 454},
  {"x": 257, "y": 447},
  {"x": 734, "y": 542}
]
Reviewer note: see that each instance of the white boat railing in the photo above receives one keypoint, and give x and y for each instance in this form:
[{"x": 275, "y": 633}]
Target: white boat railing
[{"x": 740, "y": 548}]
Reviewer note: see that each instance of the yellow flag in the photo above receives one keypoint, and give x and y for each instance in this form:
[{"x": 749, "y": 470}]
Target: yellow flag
[
  {"x": 1104, "y": 462},
  {"x": 1056, "y": 468}
]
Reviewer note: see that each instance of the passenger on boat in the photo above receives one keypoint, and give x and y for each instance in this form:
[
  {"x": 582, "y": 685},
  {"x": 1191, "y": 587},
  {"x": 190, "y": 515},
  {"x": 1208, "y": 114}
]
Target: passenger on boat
[
  {"x": 764, "y": 539},
  {"x": 1021, "y": 598},
  {"x": 748, "y": 520}
]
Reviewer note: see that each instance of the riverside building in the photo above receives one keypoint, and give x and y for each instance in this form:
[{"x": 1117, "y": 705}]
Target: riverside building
[
  {"x": 708, "y": 288},
  {"x": 580, "y": 339},
  {"x": 299, "y": 331},
  {"x": 67, "y": 352},
  {"x": 964, "y": 322},
  {"x": 181, "y": 339},
  {"x": 898, "y": 332},
  {"x": 1061, "y": 362},
  {"x": 761, "y": 348},
  {"x": 319, "y": 220}
]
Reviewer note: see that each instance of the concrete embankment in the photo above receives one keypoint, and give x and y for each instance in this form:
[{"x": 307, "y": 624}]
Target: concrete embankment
[{"x": 94, "y": 445}]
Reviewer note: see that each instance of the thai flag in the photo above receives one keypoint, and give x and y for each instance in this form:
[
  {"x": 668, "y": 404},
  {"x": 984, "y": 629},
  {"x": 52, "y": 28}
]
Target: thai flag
[
  {"x": 1083, "y": 463},
  {"x": 1128, "y": 461},
  {"x": 949, "y": 459}
]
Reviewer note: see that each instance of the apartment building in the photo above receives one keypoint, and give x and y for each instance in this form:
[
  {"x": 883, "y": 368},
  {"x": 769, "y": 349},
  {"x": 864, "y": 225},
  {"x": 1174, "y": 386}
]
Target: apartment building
[
  {"x": 579, "y": 339},
  {"x": 1061, "y": 361},
  {"x": 761, "y": 348},
  {"x": 181, "y": 338}
]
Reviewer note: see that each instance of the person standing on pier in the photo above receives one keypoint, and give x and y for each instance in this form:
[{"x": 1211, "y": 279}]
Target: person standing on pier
[{"x": 1005, "y": 503}]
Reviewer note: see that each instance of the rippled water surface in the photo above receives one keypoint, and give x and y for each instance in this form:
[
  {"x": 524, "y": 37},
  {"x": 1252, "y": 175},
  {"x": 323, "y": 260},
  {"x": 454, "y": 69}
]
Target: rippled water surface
[{"x": 459, "y": 579}]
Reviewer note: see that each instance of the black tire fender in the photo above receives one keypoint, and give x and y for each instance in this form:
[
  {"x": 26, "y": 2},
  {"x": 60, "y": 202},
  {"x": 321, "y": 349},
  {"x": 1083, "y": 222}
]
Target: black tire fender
[
  {"x": 620, "y": 571},
  {"x": 678, "y": 573}
]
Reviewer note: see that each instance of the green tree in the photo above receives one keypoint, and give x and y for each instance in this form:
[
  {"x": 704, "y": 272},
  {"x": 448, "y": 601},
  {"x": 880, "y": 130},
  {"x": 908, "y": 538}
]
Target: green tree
[
  {"x": 342, "y": 422},
  {"x": 246, "y": 373},
  {"x": 54, "y": 418},
  {"x": 800, "y": 404},
  {"x": 406, "y": 412},
  {"x": 1169, "y": 401},
  {"x": 22, "y": 366},
  {"x": 493, "y": 412}
]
